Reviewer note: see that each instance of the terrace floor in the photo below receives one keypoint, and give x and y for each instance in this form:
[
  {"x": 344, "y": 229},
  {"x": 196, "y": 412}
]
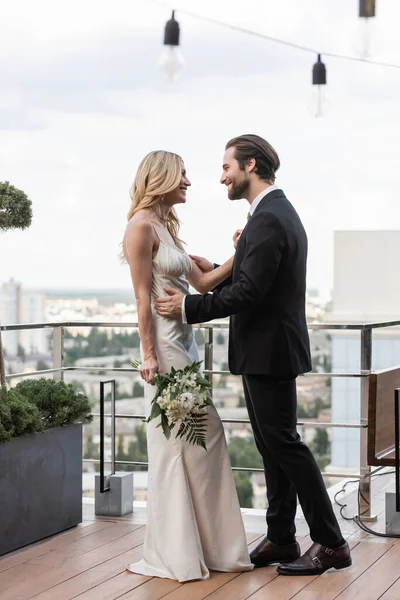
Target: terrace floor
[{"x": 88, "y": 563}]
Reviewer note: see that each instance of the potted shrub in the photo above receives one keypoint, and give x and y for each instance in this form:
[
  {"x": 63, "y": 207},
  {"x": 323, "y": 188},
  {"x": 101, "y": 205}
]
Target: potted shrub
[
  {"x": 40, "y": 460},
  {"x": 40, "y": 437}
]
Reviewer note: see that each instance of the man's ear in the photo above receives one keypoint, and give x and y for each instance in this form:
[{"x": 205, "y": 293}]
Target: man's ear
[{"x": 251, "y": 165}]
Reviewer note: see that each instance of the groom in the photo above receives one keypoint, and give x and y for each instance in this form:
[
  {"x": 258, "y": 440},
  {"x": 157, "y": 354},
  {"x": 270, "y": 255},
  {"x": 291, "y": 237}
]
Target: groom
[{"x": 269, "y": 347}]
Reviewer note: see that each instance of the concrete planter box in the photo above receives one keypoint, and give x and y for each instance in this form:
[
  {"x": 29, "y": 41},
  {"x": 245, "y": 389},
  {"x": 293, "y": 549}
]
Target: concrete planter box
[{"x": 40, "y": 486}]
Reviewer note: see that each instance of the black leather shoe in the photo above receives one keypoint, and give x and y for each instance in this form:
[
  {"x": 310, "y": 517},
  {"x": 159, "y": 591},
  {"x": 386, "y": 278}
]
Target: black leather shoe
[
  {"x": 267, "y": 553},
  {"x": 317, "y": 560}
]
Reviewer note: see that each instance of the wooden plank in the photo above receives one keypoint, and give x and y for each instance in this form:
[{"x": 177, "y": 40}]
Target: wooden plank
[
  {"x": 282, "y": 588},
  {"x": 72, "y": 567},
  {"x": 34, "y": 550},
  {"x": 393, "y": 593},
  {"x": 243, "y": 586},
  {"x": 332, "y": 583},
  {"x": 114, "y": 587},
  {"x": 197, "y": 590},
  {"x": 19, "y": 573},
  {"x": 114, "y": 551},
  {"x": 377, "y": 579},
  {"x": 38, "y": 584},
  {"x": 152, "y": 590},
  {"x": 252, "y": 537},
  {"x": 57, "y": 557},
  {"x": 118, "y": 564},
  {"x": 75, "y": 585}
]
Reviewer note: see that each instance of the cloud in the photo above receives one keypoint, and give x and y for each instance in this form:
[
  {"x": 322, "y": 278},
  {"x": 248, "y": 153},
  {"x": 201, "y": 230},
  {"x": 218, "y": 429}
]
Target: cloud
[{"x": 81, "y": 102}]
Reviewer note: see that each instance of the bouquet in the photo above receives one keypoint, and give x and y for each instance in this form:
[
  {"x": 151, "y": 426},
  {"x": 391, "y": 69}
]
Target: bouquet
[{"x": 181, "y": 401}]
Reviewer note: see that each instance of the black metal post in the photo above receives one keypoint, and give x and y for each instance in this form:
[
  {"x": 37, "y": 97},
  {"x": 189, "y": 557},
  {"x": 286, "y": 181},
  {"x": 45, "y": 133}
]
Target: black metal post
[{"x": 103, "y": 487}]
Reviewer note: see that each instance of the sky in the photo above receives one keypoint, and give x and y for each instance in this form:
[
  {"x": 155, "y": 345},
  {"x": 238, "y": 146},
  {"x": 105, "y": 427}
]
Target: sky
[{"x": 82, "y": 101}]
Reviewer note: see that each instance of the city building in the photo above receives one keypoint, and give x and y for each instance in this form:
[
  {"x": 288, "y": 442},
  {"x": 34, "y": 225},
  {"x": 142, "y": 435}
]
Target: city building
[{"x": 18, "y": 305}]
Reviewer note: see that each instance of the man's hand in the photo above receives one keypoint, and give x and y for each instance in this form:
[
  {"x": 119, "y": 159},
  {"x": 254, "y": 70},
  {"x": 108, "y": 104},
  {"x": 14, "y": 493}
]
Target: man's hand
[
  {"x": 170, "y": 306},
  {"x": 204, "y": 265},
  {"x": 236, "y": 237}
]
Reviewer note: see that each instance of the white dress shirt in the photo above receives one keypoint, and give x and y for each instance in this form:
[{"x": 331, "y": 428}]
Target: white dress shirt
[{"x": 252, "y": 208}]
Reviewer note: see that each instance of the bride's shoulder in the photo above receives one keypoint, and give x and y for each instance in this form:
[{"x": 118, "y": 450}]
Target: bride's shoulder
[
  {"x": 140, "y": 221},
  {"x": 138, "y": 227}
]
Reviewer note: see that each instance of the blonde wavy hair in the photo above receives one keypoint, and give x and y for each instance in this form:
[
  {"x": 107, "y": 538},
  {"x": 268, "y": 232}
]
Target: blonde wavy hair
[{"x": 159, "y": 172}]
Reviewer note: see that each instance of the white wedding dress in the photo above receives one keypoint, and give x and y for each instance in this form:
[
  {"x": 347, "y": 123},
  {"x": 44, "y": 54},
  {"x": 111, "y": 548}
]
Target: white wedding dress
[{"x": 194, "y": 523}]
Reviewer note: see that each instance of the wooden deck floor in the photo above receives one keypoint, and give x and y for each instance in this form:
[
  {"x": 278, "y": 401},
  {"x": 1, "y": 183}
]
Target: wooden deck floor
[{"x": 88, "y": 563}]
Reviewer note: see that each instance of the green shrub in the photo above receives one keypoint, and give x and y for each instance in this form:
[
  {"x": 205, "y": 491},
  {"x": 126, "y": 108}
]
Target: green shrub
[
  {"x": 59, "y": 403},
  {"x": 18, "y": 416},
  {"x": 15, "y": 208},
  {"x": 6, "y": 424}
]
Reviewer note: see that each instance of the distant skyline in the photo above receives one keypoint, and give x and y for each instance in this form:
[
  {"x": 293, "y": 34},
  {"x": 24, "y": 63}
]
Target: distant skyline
[{"x": 81, "y": 102}]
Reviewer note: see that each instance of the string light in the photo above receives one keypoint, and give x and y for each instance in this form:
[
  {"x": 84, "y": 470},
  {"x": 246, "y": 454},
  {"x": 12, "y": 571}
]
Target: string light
[
  {"x": 171, "y": 61},
  {"x": 319, "y": 104},
  {"x": 366, "y": 42}
]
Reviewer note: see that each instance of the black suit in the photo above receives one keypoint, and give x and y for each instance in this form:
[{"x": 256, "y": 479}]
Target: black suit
[{"x": 269, "y": 346}]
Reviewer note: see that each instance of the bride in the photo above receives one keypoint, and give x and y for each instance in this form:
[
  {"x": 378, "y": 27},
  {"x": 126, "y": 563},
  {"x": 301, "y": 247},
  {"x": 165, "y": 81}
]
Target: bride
[{"x": 194, "y": 524}]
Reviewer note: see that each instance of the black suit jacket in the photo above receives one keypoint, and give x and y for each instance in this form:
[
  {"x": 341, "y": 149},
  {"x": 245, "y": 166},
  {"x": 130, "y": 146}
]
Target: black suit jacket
[{"x": 266, "y": 295}]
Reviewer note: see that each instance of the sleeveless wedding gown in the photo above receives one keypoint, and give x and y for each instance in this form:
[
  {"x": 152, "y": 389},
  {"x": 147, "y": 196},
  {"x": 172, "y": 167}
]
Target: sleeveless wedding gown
[{"x": 194, "y": 523}]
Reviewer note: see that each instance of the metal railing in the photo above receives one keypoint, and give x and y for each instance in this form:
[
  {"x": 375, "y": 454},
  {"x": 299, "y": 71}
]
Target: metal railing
[{"x": 365, "y": 329}]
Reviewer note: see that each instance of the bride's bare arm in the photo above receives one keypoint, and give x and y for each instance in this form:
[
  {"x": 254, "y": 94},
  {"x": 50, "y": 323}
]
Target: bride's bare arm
[
  {"x": 204, "y": 282},
  {"x": 139, "y": 244}
]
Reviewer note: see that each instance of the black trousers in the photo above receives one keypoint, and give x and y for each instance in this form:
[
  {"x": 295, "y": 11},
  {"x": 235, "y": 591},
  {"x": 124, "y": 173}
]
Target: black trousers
[{"x": 290, "y": 467}]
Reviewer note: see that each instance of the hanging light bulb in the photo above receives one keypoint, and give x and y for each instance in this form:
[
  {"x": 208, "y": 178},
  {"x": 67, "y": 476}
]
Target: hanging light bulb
[
  {"x": 171, "y": 61},
  {"x": 367, "y": 40},
  {"x": 319, "y": 103}
]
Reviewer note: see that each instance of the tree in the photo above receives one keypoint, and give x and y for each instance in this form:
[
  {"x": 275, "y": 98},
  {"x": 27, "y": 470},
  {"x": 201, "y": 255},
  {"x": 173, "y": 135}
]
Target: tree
[
  {"x": 244, "y": 488},
  {"x": 321, "y": 444},
  {"x": 119, "y": 453},
  {"x": 137, "y": 450},
  {"x": 242, "y": 401},
  {"x": 199, "y": 337},
  {"x": 321, "y": 447},
  {"x": 78, "y": 385},
  {"x": 21, "y": 353},
  {"x": 138, "y": 390},
  {"x": 243, "y": 453},
  {"x": 327, "y": 364},
  {"x": 92, "y": 450},
  {"x": 220, "y": 339},
  {"x": 108, "y": 396},
  {"x": 99, "y": 344},
  {"x": 41, "y": 365},
  {"x": 15, "y": 213}
]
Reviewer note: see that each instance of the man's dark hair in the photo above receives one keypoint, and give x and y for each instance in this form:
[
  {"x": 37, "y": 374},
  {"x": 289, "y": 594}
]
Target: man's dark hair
[{"x": 253, "y": 146}]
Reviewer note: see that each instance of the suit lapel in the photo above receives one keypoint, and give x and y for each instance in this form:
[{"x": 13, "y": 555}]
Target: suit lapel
[{"x": 271, "y": 196}]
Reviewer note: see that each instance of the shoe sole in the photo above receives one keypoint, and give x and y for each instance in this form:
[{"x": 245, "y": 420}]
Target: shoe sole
[
  {"x": 342, "y": 565},
  {"x": 274, "y": 562}
]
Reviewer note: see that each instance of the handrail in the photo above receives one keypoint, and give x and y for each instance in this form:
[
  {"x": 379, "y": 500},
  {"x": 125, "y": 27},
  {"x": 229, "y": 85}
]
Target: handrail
[
  {"x": 120, "y": 325},
  {"x": 366, "y": 330}
]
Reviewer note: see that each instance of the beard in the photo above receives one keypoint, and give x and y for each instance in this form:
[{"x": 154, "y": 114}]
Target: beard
[{"x": 239, "y": 188}]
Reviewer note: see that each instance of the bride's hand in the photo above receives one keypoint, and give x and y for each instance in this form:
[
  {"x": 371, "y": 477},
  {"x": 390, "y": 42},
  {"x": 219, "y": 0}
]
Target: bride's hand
[
  {"x": 236, "y": 237},
  {"x": 204, "y": 265},
  {"x": 148, "y": 369}
]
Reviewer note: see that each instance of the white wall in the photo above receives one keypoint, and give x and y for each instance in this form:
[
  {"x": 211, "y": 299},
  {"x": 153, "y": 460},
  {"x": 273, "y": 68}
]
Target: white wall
[
  {"x": 366, "y": 289},
  {"x": 366, "y": 274}
]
